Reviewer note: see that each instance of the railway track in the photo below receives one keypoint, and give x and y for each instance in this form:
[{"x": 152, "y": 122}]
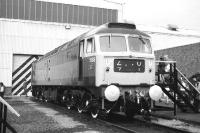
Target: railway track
[
  {"x": 118, "y": 126},
  {"x": 140, "y": 125},
  {"x": 165, "y": 125},
  {"x": 177, "y": 125}
]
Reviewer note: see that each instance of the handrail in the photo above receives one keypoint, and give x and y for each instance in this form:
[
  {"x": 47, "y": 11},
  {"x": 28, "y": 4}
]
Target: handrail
[
  {"x": 9, "y": 107},
  {"x": 180, "y": 73},
  {"x": 187, "y": 80},
  {"x": 177, "y": 82},
  {"x": 165, "y": 61}
]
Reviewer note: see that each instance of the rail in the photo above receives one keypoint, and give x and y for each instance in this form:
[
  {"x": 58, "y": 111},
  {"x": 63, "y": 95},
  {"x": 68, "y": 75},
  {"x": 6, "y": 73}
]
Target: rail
[{"x": 3, "y": 116}]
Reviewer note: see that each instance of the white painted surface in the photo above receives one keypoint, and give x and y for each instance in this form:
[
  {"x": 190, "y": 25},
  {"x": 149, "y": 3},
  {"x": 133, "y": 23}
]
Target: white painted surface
[
  {"x": 6, "y": 68},
  {"x": 25, "y": 37},
  {"x": 163, "y": 38},
  {"x": 18, "y": 60}
]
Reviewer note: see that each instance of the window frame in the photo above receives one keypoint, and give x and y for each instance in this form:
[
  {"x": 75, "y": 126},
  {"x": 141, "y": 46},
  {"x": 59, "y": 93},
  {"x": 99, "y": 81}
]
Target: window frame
[
  {"x": 115, "y": 35},
  {"x": 93, "y": 47},
  {"x": 81, "y": 50},
  {"x": 137, "y": 36}
]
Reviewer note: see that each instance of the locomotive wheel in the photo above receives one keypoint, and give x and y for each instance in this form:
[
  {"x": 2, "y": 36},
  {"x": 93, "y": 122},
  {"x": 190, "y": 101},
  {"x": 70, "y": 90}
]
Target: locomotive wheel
[
  {"x": 83, "y": 106},
  {"x": 68, "y": 101},
  {"x": 95, "y": 113},
  {"x": 94, "y": 108},
  {"x": 68, "y": 107},
  {"x": 129, "y": 113},
  {"x": 80, "y": 110},
  {"x": 129, "y": 109}
]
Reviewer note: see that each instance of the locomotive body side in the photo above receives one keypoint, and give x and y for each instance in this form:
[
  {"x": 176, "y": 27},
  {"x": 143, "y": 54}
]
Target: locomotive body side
[{"x": 58, "y": 69}]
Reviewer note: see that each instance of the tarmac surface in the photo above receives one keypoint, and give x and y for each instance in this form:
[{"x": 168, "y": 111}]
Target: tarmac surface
[
  {"x": 39, "y": 117},
  {"x": 189, "y": 117}
]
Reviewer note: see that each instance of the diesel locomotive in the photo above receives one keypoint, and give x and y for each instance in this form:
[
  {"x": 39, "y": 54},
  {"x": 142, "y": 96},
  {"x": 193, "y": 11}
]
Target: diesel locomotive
[{"x": 110, "y": 68}]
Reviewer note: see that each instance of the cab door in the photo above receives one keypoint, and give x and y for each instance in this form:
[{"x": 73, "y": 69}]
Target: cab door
[
  {"x": 89, "y": 62},
  {"x": 47, "y": 70},
  {"x": 81, "y": 56}
]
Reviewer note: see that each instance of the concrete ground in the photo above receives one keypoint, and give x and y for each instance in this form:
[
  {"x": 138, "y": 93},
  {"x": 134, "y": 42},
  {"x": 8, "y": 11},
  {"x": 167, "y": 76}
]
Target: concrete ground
[
  {"x": 39, "y": 117},
  {"x": 189, "y": 117}
]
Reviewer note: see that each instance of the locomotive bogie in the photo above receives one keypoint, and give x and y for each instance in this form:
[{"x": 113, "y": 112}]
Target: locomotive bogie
[{"x": 57, "y": 69}]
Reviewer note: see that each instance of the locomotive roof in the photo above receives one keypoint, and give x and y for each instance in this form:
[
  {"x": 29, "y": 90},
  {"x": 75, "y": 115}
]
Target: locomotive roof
[
  {"x": 119, "y": 28},
  {"x": 110, "y": 28}
]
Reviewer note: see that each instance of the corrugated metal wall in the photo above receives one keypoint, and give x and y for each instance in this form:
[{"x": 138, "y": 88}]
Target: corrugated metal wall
[
  {"x": 36, "y": 10},
  {"x": 35, "y": 38},
  {"x": 21, "y": 37}
]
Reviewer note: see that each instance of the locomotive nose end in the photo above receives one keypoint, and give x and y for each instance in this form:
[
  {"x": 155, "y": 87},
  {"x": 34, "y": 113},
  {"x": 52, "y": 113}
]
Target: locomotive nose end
[
  {"x": 155, "y": 92},
  {"x": 112, "y": 93}
]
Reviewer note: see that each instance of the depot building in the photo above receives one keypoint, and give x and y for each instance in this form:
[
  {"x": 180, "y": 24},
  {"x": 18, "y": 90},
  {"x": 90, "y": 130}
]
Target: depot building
[{"x": 31, "y": 28}]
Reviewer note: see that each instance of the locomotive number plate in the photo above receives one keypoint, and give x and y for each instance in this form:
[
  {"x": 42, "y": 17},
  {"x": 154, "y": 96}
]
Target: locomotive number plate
[{"x": 127, "y": 65}]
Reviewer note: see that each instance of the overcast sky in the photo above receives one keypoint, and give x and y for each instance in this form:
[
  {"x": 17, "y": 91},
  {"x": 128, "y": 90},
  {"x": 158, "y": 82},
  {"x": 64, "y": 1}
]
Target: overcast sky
[{"x": 183, "y": 13}]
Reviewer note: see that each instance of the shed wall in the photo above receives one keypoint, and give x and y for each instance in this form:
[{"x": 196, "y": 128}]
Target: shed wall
[
  {"x": 36, "y": 10},
  {"x": 35, "y": 38},
  {"x": 187, "y": 57},
  {"x": 30, "y": 38},
  {"x": 5, "y": 68}
]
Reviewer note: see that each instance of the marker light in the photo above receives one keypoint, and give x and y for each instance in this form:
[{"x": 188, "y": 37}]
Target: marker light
[
  {"x": 155, "y": 92},
  {"x": 112, "y": 93}
]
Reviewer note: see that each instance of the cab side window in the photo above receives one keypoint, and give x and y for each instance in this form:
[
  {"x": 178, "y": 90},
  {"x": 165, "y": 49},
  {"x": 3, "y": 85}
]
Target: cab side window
[
  {"x": 90, "y": 46},
  {"x": 81, "y": 45}
]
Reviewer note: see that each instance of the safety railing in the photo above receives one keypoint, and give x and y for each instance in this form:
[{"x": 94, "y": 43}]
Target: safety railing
[
  {"x": 174, "y": 85},
  {"x": 185, "y": 78},
  {"x": 190, "y": 92},
  {"x": 4, "y": 106},
  {"x": 167, "y": 79}
]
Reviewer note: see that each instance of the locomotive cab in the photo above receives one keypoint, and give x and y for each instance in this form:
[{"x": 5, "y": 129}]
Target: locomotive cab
[{"x": 127, "y": 61}]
